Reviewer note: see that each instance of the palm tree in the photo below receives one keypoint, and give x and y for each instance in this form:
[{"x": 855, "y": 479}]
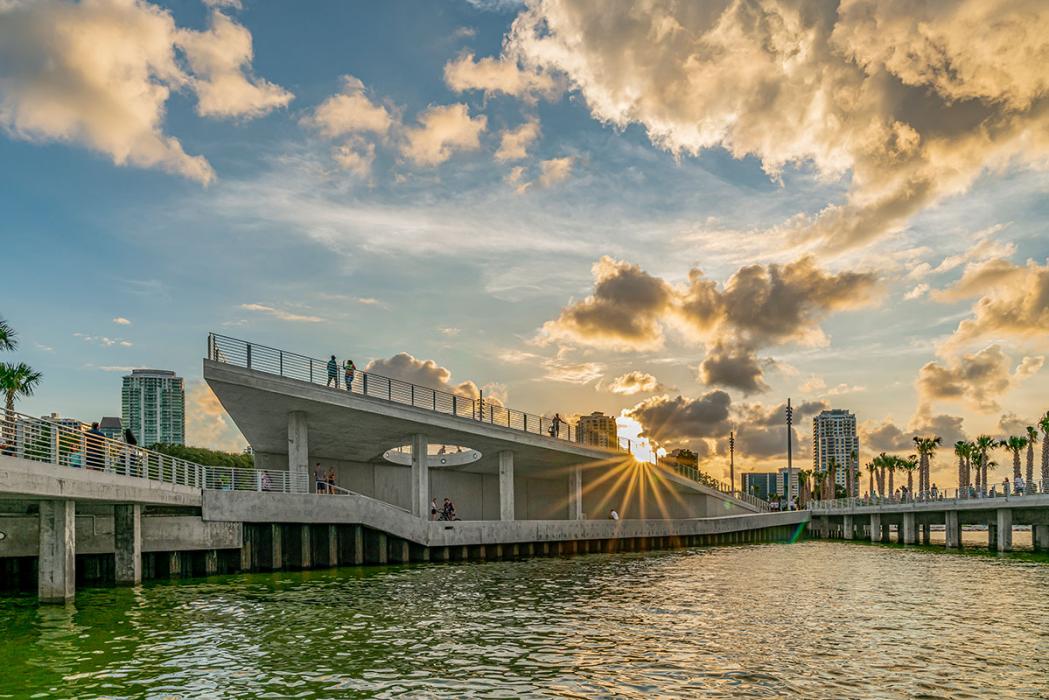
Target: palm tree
[
  {"x": 8, "y": 337},
  {"x": 852, "y": 477},
  {"x": 1032, "y": 438},
  {"x": 16, "y": 381},
  {"x": 926, "y": 447},
  {"x": 803, "y": 487},
  {"x": 870, "y": 471},
  {"x": 984, "y": 444},
  {"x": 961, "y": 448},
  {"x": 1044, "y": 425},
  {"x": 909, "y": 465},
  {"x": 891, "y": 465},
  {"x": 1014, "y": 443},
  {"x": 830, "y": 479}
]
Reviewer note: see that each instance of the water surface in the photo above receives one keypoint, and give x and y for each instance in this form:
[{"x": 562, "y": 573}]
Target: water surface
[{"x": 814, "y": 620}]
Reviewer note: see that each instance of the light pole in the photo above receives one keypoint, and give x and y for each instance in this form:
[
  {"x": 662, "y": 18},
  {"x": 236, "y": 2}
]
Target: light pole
[
  {"x": 790, "y": 453},
  {"x": 732, "y": 461}
]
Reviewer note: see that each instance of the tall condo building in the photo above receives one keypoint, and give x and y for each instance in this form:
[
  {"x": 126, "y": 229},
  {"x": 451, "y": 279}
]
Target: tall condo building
[
  {"x": 834, "y": 441},
  {"x": 597, "y": 429},
  {"x": 154, "y": 406}
]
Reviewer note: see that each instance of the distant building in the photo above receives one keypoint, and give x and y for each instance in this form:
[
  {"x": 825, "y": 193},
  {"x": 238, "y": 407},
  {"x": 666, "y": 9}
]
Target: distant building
[
  {"x": 764, "y": 485},
  {"x": 71, "y": 423},
  {"x": 111, "y": 427},
  {"x": 597, "y": 430},
  {"x": 789, "y": 476},
  {"x": 834, "y": 440},
  {"x": 154, "y": 406}
]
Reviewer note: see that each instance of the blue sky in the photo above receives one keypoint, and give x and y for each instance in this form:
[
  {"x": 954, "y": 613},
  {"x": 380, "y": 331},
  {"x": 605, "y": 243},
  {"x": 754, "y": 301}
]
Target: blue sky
[{"x": 659, "y": 153}]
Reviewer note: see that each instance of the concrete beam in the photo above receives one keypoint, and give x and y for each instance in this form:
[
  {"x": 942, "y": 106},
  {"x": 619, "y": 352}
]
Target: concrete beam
[
  {"x": 506, "y": 485},
  {"x": 299, "y": 451},
  {"x": 420, "y": 494},
  {"x": 57, "y": 562},
  {"x": 1005, "y": 530},
  {"x": 127, "y": 544},
  {"x": 908, "y": 529},
  {"x": 875, "y": 527}
]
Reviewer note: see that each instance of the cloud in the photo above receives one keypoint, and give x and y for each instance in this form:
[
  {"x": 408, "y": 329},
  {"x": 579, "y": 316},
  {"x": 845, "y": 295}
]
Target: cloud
[
  {"x": 207, "y": 423},
  {"x": 121, "y": 321},
  {"x": 349, "y": 112},
  {"x": 1013, "y": 301},
  {"x": 761, "y": 431},
  {"x": 886, "y": 436},
  {"x": 912, "y": 102},
  {"x": 635, "y": 382},
  {"x": 495, "y": 75},
  {"x": 281, "y": 313},
  {"x": 681, "y": 419},
  {"x": 99, "y": 74},
  {"x": 444, "y": 130},
  {"x": 623, "y": 310},
  {"x": 103, "y": 340},
  {"x": 759, "y": 306},
  {"x": 426, "y": 373},
  {"x": 514, "y": 143},
  {"x": 561, "y": 370},
  {"x": 555, "y": 170},
  {"x": 978, "y": 378},
  {"x": 917, "y": 292},
  {"x": 357, "y": 158},
  {"x": 220, "y": 60}
]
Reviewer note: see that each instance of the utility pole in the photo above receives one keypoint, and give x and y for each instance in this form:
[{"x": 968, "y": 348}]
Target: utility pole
[
  {"x": 732, "y": 461},
  {"x": 790, "y": 453}
]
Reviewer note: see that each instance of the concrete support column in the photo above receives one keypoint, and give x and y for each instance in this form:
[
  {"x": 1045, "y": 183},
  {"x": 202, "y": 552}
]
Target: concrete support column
[
  {"x": 875, "y": 527},
  {"x": 305, "y": 548},
  {"x": 849, "y": 527},
  {"x": 299, "y": 453},
  {"x": 1040, "y": 537},
  {"x": 575, "y": 494},
  {"x": 992, "y": 536},
  {"x": 127, "y": 544},
  {"x": 908, "y": 529},
  {"x": 333, "y": 546},
  {"x": 926, "y": 531},
  {"x": 954, "y": 530},
  {"x": 57, "y": 564},
  {"x": 1005, "y": 530},
  {"x": 421, "y": 477},
  {"x": 276, "y": 546},
  {"x": 211, "y": 562},
  {"x": 506, "y": 485}
]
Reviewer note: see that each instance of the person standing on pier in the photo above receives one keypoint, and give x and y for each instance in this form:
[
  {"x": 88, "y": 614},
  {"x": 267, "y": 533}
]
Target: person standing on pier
[
  {"x": 348, "y": 369},
  {"x": 555, "y": 426},
  {"x": 333, "y": 372}
]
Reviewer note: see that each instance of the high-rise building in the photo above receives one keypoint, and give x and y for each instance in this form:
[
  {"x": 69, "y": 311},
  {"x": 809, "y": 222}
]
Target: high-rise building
[
  {"x": 764, "y": 485},
  {"x": 154, "y": 406},
  {"x": 597, "y": 430},
  {"x": 834, "y": 441},
  {"x": 790, "y": 476},
  {"x": 111, "y": 427}
]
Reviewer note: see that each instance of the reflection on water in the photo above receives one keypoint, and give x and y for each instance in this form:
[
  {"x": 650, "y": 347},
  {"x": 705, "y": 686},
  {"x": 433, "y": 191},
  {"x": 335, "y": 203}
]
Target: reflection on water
[{"x": 815, "y": 620}]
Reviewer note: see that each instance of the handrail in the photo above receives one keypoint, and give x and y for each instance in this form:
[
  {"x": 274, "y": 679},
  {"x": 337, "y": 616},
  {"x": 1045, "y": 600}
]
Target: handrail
[
  {"x": 945, "y": 497},
  {"x": 292, "y": 365}
]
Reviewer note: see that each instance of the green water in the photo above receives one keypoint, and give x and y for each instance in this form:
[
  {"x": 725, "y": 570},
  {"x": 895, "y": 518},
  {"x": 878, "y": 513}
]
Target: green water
[{"x": 813, "y": 620}]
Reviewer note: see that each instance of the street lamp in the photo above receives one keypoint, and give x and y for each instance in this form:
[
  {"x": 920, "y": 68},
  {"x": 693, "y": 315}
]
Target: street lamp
[{"x": 790, "y": 453}]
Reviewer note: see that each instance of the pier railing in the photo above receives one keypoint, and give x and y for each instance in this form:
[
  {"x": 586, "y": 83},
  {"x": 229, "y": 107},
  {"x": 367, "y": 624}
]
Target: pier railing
[
  {"x": 946, "y": 497},
  {"x": 262, "y": 358}
]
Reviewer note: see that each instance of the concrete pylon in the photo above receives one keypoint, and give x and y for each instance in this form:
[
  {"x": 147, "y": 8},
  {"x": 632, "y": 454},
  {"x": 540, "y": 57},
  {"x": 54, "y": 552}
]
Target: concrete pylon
[
  {"x": 875, "y": 527},
  {"x": 1005, "y": 530},
  {"x": 506, "y": 485},
  {"x": 420, "y": 476},
  {"x": 908, "y": 529},
  {"x": 299, "y": 452},
  {"x": 953, "y": 530},
  {"x": 848, "y": 527},
  {"x": 127, "y": 544},
  {"x": 56, "y": 582},
  {"x": 1040, "y": 535},
  {"x": 575, "y": 493}
]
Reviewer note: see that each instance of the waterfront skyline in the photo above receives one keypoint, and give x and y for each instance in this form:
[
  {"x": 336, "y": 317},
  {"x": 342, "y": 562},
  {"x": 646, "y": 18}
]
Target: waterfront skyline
[{"x": 537, "y": 215}]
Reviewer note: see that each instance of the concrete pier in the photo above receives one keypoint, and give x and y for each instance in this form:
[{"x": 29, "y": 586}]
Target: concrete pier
[
  {"x": 875, "y": 527},
  {"x": 57, "y": 561},
  {"x": 908, "y": 530},
  {"x": 1005, "y": 530},
  {"x": 298, "y": 451},
  {"x": 575, "y": 494},
  {"x": 953, "y": 530},
  {"x": 506, "y": 485},
  {"x": 1040, "y": 537},
  {"x": 850, "y": 527},
  {"x": 420, "y": 486},
  {"x": 127, "y": 544}
]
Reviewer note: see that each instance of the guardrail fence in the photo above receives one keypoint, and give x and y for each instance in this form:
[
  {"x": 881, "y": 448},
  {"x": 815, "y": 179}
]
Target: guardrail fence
[{"x": 946, "y": 497}]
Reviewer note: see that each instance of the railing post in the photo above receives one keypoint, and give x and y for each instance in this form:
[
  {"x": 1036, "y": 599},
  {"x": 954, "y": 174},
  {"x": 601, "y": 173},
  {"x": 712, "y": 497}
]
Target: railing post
[
  {"x": 281, "y": 362},
  {"x": 249, "y": 355},
  {"x": 434, "y": 392},
  {"x": 311, "y": 370},
  {"x": 455, "y": 405},
  {"x": 364, "y": 386},
  {"x": 56, "y": 450},
  {"x": 526, "y": 422},
  {"x": 413, "y": 395},
  {"x": 389, "y": 389}
]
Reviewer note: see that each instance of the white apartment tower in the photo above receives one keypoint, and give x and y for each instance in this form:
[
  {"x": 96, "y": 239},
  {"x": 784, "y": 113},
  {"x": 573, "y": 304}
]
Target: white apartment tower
[
  {"x": 153, "y": 403},
  {"x": 834, "y": 440}
]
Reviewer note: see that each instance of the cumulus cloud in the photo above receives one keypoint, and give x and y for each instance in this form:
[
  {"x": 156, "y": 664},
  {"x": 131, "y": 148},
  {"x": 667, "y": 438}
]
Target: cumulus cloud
[
  {"x": 99, "y": 73},
  {"x": 282, "y": 314},
  {"x": 514, "y": 143},
  {"x": 978, "y": 378},
  {"x": 635, "y": 382},
  {"x": 207, "y": 423},
  {"x": 497, "y": 75},
  {"x": 886, "y": 436},
  {"x": 121, "y": 321},
  {"x": 443, "y": 130},
  {"x": 678, "y": 419},
  {"x": 426, "y": 373},
  {"x": 911, "y": 101},
  {"x": 555, "y": 170},
  {"x": 220, "y": 61},
  {"x": 759, "y": 306},
  {"x": 761, "y": 431},
  {"x": 355, "y": 157},
  {"x": 351, "y": 111}
]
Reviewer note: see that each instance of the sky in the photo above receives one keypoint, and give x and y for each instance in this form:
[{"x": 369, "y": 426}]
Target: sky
[{"x": 680, "y": 213}]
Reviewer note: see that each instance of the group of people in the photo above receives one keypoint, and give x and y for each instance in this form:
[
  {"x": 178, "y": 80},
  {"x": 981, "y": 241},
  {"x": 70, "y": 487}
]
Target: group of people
[
  {"x": 445, "y": 511},
  {"x": 324, "y": 480},
  {"x": 349, "y": 370}
]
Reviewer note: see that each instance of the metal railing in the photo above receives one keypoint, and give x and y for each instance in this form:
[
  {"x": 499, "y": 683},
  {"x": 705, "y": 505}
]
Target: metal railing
[
  {"x": 241, "y": 353},
  {"x": 945, "y": 497}
]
